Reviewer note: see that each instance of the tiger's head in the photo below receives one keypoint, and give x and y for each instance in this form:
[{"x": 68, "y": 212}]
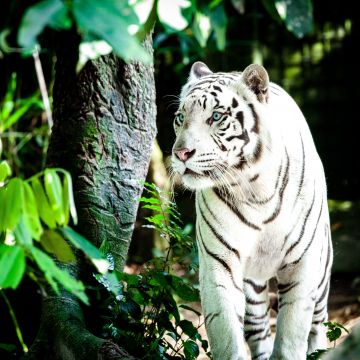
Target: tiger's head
[{"x": 218, "y": 125}]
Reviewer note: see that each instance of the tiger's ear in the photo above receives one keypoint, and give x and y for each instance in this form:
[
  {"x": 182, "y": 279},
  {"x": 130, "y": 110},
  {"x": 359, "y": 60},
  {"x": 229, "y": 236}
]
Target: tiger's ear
[
  {"x": 257, "y": 79},
  {"x": 198, "y": 70}
]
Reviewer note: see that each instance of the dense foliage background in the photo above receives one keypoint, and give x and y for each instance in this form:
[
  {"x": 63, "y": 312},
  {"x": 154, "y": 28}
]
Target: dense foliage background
[{"x": 307, "y": 47}]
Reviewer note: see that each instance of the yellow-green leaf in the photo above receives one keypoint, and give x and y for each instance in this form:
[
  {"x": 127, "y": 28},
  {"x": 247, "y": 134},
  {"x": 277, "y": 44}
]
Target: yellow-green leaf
[
  {"x": 31, "y": 214},
  {"x": 56, "y": 275},
  {"x": 68, "y": 199},
  {"x": 87, "y": 247},
  {"x": 11, "y": 203},
  {"x": 55, "y": 244},
  {"x": 45, "y": 211},
  {"x": 54, "y": 192},
  {"x": 2, "y": 209},
  {"x": 5, "y": 170},
  {"x": 65, "y": 200}
]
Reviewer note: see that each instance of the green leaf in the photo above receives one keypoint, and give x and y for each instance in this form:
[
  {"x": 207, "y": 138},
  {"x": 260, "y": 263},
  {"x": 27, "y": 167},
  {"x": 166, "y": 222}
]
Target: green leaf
[
  {"x": 2, "y": 209},
  {"x": 188, "y": 328},
  {"x": 204, "y": 344},
  {"x": 130, "y": 279},
  {"x": 55, "y": 275},
  {"x": 65, "y": 201},
  {"x": 137, "y": 296},
  {"x": 15, "y": 116},
  {"x": 55, "y": 244},
  {"x": 151, "y": 189},
  {"x": 201, "y": 28},
  {"x": 171, "y": 306},
  {"x": 164, "y": 321},
  {"x": 335, "y": 330},
  {"x": 333, "y": 334},
  {"x": 334, "y": 324},
  {"x": 156, "y": 219},
  {"x": 269, "y": 5},
  {"x": 110, "y": 22},
  {"x": 174, "y": 19},
  {"x": 5, "y": 170},
  {"x": 7, "y": 347},
  {"x": 68, "y": 199},
  {"x": 297, "y": 15},
  {"x": 12, "y": 265},
  {"x": 219, "y": 21},
  {"x": 91, "y": 50},
  {"x": 150, "y": 200},
  {"x": 186, "y": 307},
  {"x": 43, "y": 205},
  {"x": 183, "y": 290},
  {"x": 239, "y": 5},
  {"x": 22, "y": 233},
  {"x": 191, "y": 349},
  {"x": 31, "y": 214},
  {"x": 87, "y": 247},
  {"x": 173, "y": 335},
  {"x": 130, "y": 307},
  {"x": 343, "y": 328},
  {"x": 53, "y": 189},
  {"x": 11, "y": 203},
  {"x": 111, "y": 282},
  {"x": 51, "y": 13},
  {"x": 8, "y": 102},
  {"x": 159, "y": 278},
  {"x": 149, "y": 24},
  {"x": 152, "y": 207}
]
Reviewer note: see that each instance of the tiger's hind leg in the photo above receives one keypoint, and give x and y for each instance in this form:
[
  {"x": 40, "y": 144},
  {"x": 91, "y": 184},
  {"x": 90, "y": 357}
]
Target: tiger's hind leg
[
  {"x": 257, "y": 326},
  {"x": 317, "y": 336}
]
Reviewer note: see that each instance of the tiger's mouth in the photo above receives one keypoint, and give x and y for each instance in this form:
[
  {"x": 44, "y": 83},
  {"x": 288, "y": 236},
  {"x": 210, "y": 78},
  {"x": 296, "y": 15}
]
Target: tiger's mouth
[
  {"x": 196, "y": 174},
  {"x": 197, "y": 180},
  {"x": 191, "y": 172}
]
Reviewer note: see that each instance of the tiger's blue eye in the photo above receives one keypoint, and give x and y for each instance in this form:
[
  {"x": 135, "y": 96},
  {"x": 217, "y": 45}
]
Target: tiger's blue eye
[
  {"x": 181, "y": 117},
  {"x": 216, "y": 116}
]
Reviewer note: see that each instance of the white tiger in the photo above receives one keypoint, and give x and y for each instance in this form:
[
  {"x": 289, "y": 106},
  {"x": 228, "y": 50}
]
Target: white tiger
[{"x": 244, "y": 146}]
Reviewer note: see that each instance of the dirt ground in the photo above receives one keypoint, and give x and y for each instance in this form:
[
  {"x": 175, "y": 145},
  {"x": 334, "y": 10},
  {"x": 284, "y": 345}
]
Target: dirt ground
[{"x": 344, "y": 300}]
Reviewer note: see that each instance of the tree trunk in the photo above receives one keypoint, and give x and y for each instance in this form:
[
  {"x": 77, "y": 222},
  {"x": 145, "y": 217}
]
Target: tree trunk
[{"x": 104, "y": 129}]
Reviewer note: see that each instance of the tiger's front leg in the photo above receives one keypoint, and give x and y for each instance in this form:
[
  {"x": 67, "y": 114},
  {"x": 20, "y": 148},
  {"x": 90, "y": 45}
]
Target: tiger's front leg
[
  {"x": 297, "y": 296},
  {"x": 223, "y": 311},
  {"x": 257, "y": 325},
  {"x": 223, "y": 303}
]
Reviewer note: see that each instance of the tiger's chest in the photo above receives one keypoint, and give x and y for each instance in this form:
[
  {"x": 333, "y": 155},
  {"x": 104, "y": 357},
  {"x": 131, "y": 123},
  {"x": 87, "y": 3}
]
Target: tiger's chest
[
  {"x": 266, "y": 256},
  {"x": 229, "y": 226}
]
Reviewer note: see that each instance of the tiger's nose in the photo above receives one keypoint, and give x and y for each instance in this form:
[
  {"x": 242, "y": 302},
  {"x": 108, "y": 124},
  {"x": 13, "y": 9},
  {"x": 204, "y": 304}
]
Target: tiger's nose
[{"x": 184, "y": 154}]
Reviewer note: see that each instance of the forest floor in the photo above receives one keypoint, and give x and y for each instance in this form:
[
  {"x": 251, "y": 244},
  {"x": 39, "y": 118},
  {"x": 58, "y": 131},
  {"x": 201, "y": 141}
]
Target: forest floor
[{"x": 344, "y": 306}]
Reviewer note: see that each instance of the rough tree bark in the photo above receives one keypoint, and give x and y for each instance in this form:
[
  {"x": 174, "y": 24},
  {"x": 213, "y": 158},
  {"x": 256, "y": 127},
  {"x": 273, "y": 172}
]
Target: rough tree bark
[{"x": 104, "y": 129}]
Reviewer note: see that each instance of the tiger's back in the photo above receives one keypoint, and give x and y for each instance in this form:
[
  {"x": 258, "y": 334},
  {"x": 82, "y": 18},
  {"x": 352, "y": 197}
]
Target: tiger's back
[{"x": 244, "y": 146}]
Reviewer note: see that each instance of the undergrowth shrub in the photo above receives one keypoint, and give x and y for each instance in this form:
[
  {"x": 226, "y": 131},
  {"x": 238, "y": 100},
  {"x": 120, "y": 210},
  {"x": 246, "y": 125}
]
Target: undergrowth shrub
[{"x": 144, "y": 309}]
